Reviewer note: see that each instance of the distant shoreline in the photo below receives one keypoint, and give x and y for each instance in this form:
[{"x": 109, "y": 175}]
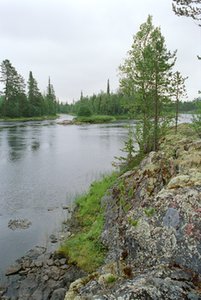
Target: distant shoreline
[{"x": 27, "y": 119}]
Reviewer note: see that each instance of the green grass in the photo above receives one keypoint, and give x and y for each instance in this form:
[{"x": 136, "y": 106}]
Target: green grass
[
  {"x": 150, "y": 211},
  {"x": 26, "y": 119},
  {"x": 95, "y": 119},
  {"x": 84, "y": 248}
]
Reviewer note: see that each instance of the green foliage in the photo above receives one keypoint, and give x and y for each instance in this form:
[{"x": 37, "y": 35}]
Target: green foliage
[
  {"x": 187, "y": 8},
  {"x": 187, "y": 106},
  {"x": 150, "y": 211},
  {"x": 129, "y": 149},
  {"x": 14, "y": 101},
  {"x": 108, "y": 87},
  {"x": 84, "y": 248},
  {"x": 132, "y": 222},
  {"x": 115, "y": 104},
  {"x": 35, "y": 99},
  {"x": 27, "y": 119},
  {"x": 111, "y": 278},
  {"x": 146, "y": 73},
  {"x": 178, "y": 91},
  {"x": 84, "y": 111},
  {"x": 197, "y": 119}
]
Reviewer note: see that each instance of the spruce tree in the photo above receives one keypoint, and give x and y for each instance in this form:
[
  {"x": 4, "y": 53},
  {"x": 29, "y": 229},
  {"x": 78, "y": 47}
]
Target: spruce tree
[
  {"x": 50, "y": 99},
  {"x": 15, "y": 102},
  {"x": 108, "y": 87},
  {"x": 36, "y": 105}
]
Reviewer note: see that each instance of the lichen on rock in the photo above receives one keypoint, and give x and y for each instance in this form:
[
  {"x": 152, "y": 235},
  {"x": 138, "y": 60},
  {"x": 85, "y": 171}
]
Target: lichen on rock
[{"x": 154, "y": 233}]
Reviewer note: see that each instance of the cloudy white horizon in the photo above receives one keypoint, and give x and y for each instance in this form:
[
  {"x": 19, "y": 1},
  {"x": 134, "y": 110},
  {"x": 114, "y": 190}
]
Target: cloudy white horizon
[{"x": 81, "y": 43}]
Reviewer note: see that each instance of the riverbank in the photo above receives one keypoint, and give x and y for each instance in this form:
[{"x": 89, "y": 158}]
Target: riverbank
[
  {"x": 53, "y": 164},
  {"x": 84, "y": 247},
  {"x": 43, "y": 275},
  {"x": 147, "y": 223},
  {"x": 27, "y": 119},
  {"x": 88, "y": 120},
  {"x": 39, "y": 275},
  {"x": 152, "y": 228}
]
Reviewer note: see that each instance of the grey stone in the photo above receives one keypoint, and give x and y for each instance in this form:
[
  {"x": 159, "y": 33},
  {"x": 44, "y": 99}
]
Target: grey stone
[
  {"x": 171, "y": 218},
  {"x": 58, "y": 294},
  {"x": 62, "y": 261},
  {"x": 19, "y": 224},
  {"x": 13, "y": 269},
  {"x": 53, "y": 238},
  {"x": 50, "y": 262},
  {"x": 193, "y": 296},
  {"x": 39, "y": 263},
  {"x": 45, "y": 278},
  {"x": 37, "y": 295}
]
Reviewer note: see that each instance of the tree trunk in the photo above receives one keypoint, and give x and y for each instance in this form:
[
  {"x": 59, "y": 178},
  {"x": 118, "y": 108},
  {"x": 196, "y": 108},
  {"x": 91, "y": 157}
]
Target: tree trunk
[{"x": 156, "y": 118}]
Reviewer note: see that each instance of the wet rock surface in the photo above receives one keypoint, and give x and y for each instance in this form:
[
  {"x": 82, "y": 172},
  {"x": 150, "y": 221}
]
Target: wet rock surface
[
  {"x": 19, "y": 224},
  {"x": 66, "y": 122},
  {"x": 39, "y": 276}
]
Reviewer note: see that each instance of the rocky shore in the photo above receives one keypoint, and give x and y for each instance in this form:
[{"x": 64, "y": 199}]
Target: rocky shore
[
  {"x": 152, "y": 228},
  {"x": 39, "y": 275},
  {"x": 152, "y": 231}
]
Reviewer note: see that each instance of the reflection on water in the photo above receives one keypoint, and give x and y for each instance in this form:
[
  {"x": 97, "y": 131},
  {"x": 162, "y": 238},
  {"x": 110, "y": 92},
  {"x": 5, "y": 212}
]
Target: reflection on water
[
  {"x": 35, "y": 145},
  {"x": 43, "y": 168},
  {"x": 17, "y": 142}
]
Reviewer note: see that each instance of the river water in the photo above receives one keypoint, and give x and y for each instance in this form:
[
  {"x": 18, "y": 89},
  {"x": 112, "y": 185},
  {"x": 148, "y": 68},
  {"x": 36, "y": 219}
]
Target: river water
[{"x": 43, "y": 166}]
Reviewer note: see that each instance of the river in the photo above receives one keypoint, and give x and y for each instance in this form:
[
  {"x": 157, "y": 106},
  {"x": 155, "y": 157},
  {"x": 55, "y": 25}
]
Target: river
[{"x": 43, "y": 166}]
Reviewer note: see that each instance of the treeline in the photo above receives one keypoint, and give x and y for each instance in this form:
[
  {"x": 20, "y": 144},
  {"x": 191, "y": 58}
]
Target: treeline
[
  {"x": 184, "y": 106},
  {"x": 16, "y": 102},
  {"x": 117, "y": 104},
  {"x": 102, "y": 104}
]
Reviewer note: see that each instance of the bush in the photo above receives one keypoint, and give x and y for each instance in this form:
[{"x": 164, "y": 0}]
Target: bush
[{"x": 84, "y": 111}]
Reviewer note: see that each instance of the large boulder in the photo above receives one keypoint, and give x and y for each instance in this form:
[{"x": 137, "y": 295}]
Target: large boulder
[{"x": 152, "y": 228}]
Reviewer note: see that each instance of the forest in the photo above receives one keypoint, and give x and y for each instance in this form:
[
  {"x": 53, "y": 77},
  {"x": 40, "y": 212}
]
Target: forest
[
  {"x": 117, "y": 104},
  {"x": 18, "y": 99},
  {"x": 15, "y": 102}
]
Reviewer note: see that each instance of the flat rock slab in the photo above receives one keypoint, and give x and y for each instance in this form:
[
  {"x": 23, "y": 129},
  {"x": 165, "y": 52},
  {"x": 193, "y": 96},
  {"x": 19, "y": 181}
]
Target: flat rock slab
[
  {"x": 66, "y": 122},
  {"x": 13, "y": 269},
  {"x": 19, "y": 224}
]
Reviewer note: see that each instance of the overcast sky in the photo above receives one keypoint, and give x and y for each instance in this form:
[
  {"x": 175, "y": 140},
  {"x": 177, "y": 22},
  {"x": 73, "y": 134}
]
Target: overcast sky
[{"x": 81, "y": 43}]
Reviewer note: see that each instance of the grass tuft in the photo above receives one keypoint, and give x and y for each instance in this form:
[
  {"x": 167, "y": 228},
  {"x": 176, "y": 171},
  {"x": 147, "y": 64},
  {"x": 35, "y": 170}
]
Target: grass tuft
[{"x": 84, "y": 248}]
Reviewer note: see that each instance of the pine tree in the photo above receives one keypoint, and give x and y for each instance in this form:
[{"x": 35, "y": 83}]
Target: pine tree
[
  {"x": 146, "y": 73},
  {"x": 178, "y": 91},
  {"x": 188, "y": 8}
]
